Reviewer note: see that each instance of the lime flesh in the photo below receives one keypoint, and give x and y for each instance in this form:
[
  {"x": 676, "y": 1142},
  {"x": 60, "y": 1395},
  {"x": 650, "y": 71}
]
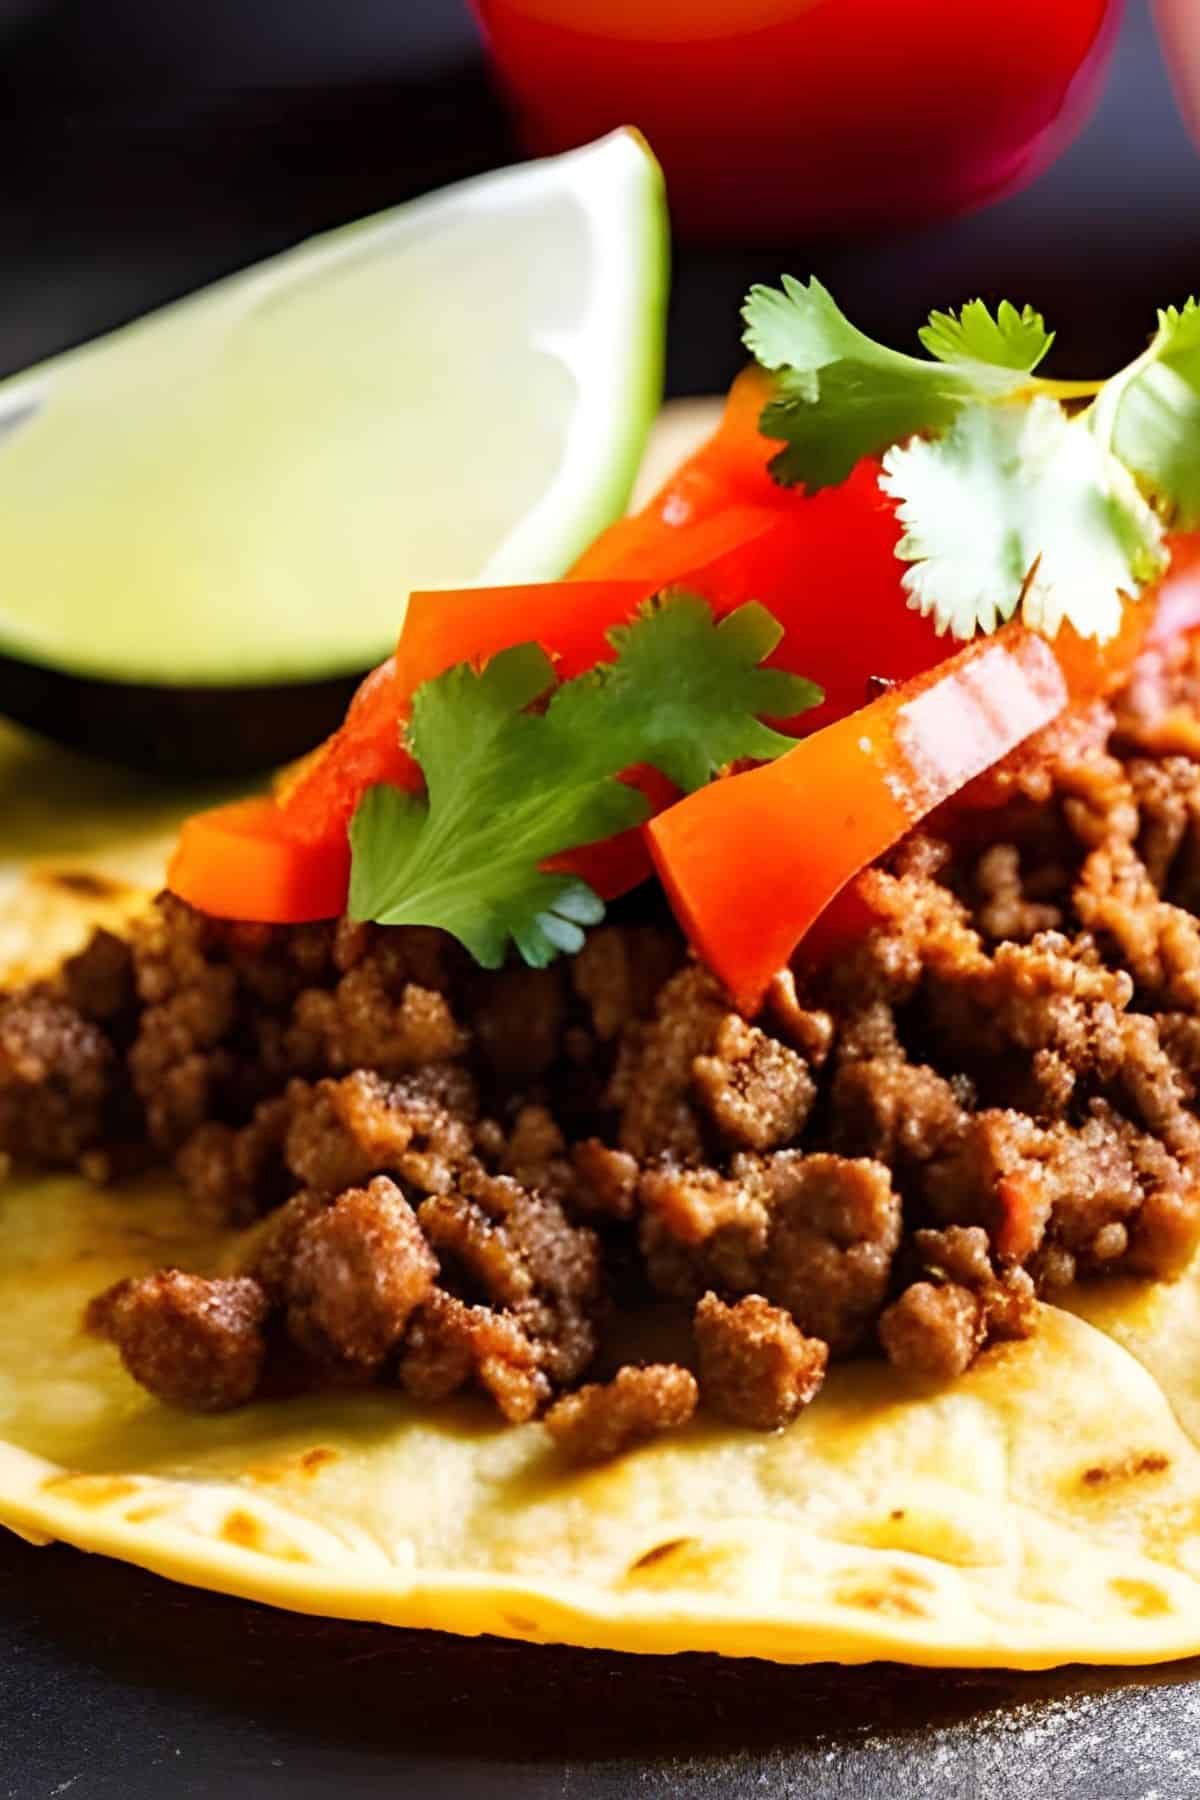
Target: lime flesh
[{"x": 245, "y": 487}]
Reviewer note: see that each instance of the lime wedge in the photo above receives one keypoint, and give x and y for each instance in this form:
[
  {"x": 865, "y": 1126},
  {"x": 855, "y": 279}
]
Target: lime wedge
[{"x": 244, "y": 487}]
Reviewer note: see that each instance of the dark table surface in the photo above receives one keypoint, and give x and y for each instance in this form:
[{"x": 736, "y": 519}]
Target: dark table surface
[{"x": 148, "y": 148}]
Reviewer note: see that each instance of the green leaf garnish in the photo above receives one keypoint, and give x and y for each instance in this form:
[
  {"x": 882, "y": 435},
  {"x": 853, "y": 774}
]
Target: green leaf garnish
[
  {"x": 1005, "y": 500},
  {"x": 508, "y": 788},
  {"x": 1020, "y": 505},
  {"x": 1155, "y": 413},
  {"x": 1011, "y": 340},
  {"x": 841, "y": 396}
]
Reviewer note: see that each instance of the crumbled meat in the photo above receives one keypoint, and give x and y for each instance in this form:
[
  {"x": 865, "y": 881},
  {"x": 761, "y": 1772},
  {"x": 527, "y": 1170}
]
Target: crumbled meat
[
  {"x": 99, "y": 981},
  {"x": 619, "y": 973},
  {"x": 600, "y": 1421},
  {"x": 535, "y": 1151},
  {"x": 898, "y": 1112},
  {"x": 1011, "y": 1048},
  {"x": 810, "y": 1030},
  {"x": 699, "y": 1228},
  {"x": 754, "y": 1364},
  {"x": 57, "y": 1075},
  {"x": 652, "y": 1080},
  {"x": 756, "y": 1091},
  {"x": 520, "y": 1253},
  {"x": 834, "y": 1228},
  {"x": 605, "y": 1181},
  {"x": 962, "y": 1254},
  {"x": 518, "y": 1020},
  {"x": 450, "y": 1343},
  {"x": 1003, "y": 908},
  {"x": 358, "y": 1272},
  {"x": 272, "y": 1248},
  {"x": 193, "y": 1342},
  {"x": 364, "y": 1024},
  {"x": 931, "y": 1331},
  {"x": 342, "y": 1132},
  {"x": 233, "y": 1175}
]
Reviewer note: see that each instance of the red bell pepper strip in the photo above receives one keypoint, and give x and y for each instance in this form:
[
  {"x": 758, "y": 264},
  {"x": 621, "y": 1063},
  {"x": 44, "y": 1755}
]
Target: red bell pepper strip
[
  {"x": 729, "y": 468},
  {"x": 242, "y": 862},
  {"x": 318, "y": 798},
  {"x": 751, "y": 862}
]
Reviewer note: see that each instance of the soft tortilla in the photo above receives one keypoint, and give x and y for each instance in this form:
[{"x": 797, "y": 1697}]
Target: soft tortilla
[{"x": 1043, "y": 1509}]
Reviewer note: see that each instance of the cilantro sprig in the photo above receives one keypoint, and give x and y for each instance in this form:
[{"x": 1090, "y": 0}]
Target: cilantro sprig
[
  {"x": 1014, "y": 491},
  {"x": 511, "y": 783}
]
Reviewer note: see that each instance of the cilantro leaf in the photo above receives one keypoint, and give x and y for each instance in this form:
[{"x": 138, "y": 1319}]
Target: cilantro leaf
[
  {"x": 684, "y": 694},
  {"x": 1154, "y": 407},
  {"x": 973, "y": 338},
  {"x": 1019, "y": 505},
  {"x": 840, "y": 396},
  {"x": 509, "y": 788},
  {"x": 857, "y": 411}
]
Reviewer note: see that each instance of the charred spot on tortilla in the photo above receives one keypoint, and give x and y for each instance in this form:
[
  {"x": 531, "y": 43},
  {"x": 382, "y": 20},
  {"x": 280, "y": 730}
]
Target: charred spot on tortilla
[
  {"x": 658, "y": 1554},
  {"x": 84, "y": 884},
  {"x": 1151, "y": 1462},
  {"x": 890, "y": 1597},
  {"x": 91, "y": 1490},
  {"x": 314, "y": 1460},
  {"x": 246, "y": 1532}
]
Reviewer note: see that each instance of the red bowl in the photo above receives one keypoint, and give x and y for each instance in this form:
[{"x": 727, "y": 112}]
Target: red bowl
[{"x": 775, "y": 118}]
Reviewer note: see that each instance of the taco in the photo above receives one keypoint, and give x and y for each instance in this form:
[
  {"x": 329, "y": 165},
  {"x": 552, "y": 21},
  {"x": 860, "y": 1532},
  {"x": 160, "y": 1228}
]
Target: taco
[{"x": 581, "y": 1163}]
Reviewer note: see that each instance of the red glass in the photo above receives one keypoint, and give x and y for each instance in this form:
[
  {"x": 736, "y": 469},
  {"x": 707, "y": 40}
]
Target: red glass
[{"x": 778, "y": 117}]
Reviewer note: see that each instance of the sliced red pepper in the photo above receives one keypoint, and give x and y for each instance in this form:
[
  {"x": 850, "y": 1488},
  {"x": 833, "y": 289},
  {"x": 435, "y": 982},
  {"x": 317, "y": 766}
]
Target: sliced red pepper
[
  {"x": 318, "y": 799},
  {"x": 569, "y": 619},
  {"x": 729, "y": 468},
  {"x": 242, "y": 862},
  {"x": 750, "y": 863}
]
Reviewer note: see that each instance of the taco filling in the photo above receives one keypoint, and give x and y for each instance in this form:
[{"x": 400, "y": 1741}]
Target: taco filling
[{"x": 888, "y": 774}]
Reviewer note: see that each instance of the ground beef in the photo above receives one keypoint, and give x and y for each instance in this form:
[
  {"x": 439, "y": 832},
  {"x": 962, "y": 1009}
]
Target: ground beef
[
  {"x": 755, "y": 1366},
  {"x": 895, "y": 1111},
  {"x": 231, "y": 1175},
  {"x": 931, "y": 1331},
  {"x": 517, "y": 1252},
  {"x": 57, "y": 1079},
  {"x": 756, "y": 1092},
  {"x": 935, "y": 1328},
  {"x": 193, "y": 1342},
  {"x": 604, "y": 1181},
  {"x": 989, "y": 1093},
  {"x": 341, "y": 1132},
  {"x": 364, "y": 1024},
  {"x": 620, "y": 971},
  {"x": 652, "y": 1081},
  {"x": 699, "y": 1228},
  {"x": 518, "y": 1020},
  {"x": 599, "y": 1421},
  {"x": 359, "y": 1270},
  {"x": 834, "y": 1228},
  {"x": 272, "y": 1249},
  {"x": 451, "y": 1343},
  {"x": 99, "y": 981}
]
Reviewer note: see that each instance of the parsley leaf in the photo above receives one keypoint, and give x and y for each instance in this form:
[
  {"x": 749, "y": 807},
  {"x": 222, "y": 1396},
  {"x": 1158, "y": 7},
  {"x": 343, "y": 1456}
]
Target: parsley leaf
[
  {"x": 840, "y": 396},
  {"x": 1150, "y": 414},
  {"x": 508, "y": 788},
  {"x": 1020, "y": 505}
]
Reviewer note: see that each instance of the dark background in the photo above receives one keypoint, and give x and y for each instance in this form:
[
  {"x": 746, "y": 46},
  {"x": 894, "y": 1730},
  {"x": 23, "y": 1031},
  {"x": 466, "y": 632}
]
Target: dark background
[{"x": 147, "y": 146}]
